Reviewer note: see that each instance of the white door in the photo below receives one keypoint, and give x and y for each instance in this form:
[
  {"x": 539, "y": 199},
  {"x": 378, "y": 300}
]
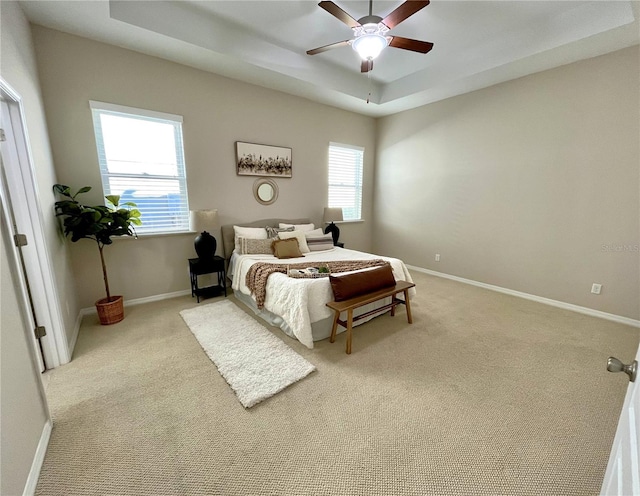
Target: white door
[
  {"x": 623, "y": 471},
  {"x": 22, "y": 195},
  {"x": 8, "y": 218}
]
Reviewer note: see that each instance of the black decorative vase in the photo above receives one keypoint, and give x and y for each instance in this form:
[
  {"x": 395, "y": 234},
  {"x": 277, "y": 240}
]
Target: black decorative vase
[
  {"x": 205, "y": 245},
  {"x": 335, "y": 232}
]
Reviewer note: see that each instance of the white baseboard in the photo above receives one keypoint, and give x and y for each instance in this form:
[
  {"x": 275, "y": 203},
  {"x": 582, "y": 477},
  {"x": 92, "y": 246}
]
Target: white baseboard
[
  {"x": 127, "y": 303},
  {"x": 38, "y": 459},
  {"x": 540, "y": 299},
  {"x": 149, "y": 299},
  {"x": 139, "y": 301}
]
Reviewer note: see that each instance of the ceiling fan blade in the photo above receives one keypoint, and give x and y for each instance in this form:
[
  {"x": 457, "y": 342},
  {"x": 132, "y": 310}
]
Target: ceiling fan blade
[
  {"x": 405, "y": 10},
  {"x": 340, "y": 14},
  {"x": 366, "y": 66},
  {"x": 409, "y": 44},
  {"x": 328, "y": 47}
]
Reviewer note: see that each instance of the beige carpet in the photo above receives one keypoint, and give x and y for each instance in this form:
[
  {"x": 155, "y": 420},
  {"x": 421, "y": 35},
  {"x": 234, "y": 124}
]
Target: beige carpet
[{"x": 483, "y": 394}]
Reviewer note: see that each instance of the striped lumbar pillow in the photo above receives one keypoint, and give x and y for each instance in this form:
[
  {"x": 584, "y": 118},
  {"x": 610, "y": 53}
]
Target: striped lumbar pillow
[{"x": 318, "y": 243}]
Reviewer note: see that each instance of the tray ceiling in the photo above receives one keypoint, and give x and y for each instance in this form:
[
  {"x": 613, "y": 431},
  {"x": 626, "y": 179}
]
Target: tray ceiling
[{"x": 477, "y": 43}]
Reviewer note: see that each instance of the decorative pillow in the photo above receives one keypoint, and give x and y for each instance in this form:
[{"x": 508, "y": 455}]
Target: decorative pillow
[
  {"x": 351, "y": 284},
  {"x": 315, "y": 232},
  {"x": 249, "y": 232},
  {"x": 248, "y": 246},
  {"x": 286, "y": 248},
  {"x": 299, "y": 227},
  {"x": 272, "y": 232},
  {"x": 302, "y": 241},
  {"x": 317, "y": 243}
]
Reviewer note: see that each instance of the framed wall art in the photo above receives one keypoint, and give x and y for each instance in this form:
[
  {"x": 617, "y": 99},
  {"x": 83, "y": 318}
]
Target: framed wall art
[{"x": 263, "y": 160}]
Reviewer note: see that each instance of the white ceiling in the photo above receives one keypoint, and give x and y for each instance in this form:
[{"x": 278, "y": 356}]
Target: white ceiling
[{"x": 477, "y": 43}]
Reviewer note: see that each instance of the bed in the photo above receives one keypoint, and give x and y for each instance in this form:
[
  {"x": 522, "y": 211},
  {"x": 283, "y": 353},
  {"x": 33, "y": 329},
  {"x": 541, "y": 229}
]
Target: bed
[{"x": 296, "y": 305}]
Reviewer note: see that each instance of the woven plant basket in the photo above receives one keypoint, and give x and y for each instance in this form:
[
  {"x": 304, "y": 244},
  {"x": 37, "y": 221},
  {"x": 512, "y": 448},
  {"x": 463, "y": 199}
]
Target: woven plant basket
[{"x": 110, "y": 310}]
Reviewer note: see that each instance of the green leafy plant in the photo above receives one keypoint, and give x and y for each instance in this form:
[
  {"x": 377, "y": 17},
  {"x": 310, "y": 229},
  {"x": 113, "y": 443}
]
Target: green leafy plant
[{"x": 99, "y": 223}]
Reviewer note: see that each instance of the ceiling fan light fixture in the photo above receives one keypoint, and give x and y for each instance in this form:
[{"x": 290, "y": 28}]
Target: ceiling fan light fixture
[
  {"x": 370, "y": 32},
  {"x": 369, "y": 45}
]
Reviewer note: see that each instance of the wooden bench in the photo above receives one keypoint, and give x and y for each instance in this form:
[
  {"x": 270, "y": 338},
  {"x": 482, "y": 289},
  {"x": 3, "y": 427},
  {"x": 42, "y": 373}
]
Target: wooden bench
[{"x": 358, "y": 301}]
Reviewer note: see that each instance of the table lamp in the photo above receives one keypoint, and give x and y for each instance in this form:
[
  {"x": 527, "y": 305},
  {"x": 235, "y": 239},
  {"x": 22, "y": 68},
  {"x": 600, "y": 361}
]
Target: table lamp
[
  {"x": 205, "y": 244},
  {"x": 332, "y": 215}
]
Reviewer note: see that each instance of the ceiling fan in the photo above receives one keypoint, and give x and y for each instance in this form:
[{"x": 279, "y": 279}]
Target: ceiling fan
[{"x": 370, "y": 32}]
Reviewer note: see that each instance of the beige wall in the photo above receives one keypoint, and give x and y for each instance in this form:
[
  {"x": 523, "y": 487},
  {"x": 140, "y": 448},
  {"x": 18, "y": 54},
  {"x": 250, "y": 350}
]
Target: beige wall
[
  {"x": 23, "y": 410},
  {"x": 217, "y": 112},
  {"x": 18, "y": 65},
  {"x": 521, "y": 185},
  {"x": 518, "y": 185}
]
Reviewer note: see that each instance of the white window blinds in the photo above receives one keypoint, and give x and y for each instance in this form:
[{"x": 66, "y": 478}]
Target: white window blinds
[
  {"x": 142, "y": 159},
  {"x": 345, "y": 179}
]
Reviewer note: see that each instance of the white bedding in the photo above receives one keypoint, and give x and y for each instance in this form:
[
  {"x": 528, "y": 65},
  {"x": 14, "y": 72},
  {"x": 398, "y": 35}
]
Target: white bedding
[{"x": 300, "y": 302}]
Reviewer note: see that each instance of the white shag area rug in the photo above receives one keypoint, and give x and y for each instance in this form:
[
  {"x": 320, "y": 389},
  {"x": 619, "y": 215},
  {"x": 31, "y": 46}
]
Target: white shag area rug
[{"x": 254, "y": 362}]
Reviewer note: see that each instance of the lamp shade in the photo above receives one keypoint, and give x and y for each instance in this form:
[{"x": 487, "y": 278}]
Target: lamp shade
[
  {"x": 332, "y": 214},
  {"x": 203, "y": 220}
]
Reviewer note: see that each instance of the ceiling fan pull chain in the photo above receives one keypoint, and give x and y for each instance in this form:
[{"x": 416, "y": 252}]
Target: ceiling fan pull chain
[{"x": 369, "y": 78}]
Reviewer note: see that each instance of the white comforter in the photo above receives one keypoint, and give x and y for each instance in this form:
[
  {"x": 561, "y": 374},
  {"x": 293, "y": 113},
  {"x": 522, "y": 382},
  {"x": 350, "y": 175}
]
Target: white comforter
[{"x": 300, "y": 302}]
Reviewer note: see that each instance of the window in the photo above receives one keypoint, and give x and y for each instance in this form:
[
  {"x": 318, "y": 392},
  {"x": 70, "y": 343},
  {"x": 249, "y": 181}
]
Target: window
[
  {"x": 142, "y": 160},
  {"x": 345, "y": 179}
]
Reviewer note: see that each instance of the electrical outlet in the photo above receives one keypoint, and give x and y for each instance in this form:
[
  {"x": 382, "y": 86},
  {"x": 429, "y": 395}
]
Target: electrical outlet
[
  {"x": 437, "y": 257},
  {"x": 595, "y": 288}
]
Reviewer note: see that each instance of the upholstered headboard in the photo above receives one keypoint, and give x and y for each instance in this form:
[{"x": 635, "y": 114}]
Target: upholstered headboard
[{"x": 228, "y": 235}]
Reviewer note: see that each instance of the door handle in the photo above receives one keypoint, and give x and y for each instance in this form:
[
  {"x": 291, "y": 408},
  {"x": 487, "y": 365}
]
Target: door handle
[{"x": 615, "y": 365}]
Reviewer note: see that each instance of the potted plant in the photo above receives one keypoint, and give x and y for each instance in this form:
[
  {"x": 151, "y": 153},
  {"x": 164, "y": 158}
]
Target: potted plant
[{"x": 98, "y": 223}]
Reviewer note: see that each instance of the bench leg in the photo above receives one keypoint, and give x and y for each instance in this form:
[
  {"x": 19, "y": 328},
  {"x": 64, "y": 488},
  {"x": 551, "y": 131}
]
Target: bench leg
[
  {"x": 407, "y": 304},
  {"x": 349, "y": 328},
  {"x": 393, "y": 308},
  {"x": 335, "y": 326}
]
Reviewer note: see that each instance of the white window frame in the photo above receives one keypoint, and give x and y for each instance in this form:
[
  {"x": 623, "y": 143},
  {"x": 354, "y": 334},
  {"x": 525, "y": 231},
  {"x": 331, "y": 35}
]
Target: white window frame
[
  {"x": 100, "y": 108},
  {"x": 357, "y": 185}
]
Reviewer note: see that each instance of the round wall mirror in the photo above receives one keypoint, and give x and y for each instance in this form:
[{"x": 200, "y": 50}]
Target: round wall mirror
[{"x": 265, "y": 191}]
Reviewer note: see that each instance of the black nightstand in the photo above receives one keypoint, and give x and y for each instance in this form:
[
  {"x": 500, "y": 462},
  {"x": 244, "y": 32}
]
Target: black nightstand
[
  {"x": 198, "y": 267},
  {"x": 340, "y": 244}
]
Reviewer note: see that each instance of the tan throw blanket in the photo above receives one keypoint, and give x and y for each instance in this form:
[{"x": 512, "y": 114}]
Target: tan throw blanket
[{"x": 259, "y": 272}]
